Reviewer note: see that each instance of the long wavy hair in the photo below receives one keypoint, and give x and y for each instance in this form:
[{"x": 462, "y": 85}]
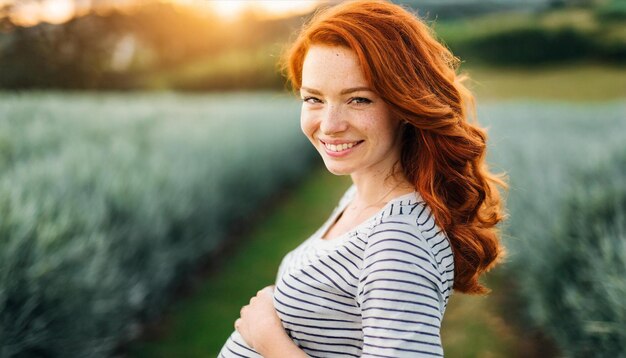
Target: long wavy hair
[{"x": 443, "y": 147}]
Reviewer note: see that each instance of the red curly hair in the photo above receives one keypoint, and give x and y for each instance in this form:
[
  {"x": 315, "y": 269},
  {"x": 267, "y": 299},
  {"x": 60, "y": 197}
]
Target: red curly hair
[{"x": 442, "y": 154}]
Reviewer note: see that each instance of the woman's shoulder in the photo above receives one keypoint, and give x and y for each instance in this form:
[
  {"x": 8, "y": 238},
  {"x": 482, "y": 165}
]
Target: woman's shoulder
[
  {"x": 407, "y": 217},
  {"x": 408, "y": 222}
]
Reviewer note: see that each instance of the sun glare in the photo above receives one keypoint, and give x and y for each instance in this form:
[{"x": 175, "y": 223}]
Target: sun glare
[
  {"x": 231, "y": 9},
  {"x": 31, "y": 12},
  {"x": 57, "y": 11}
]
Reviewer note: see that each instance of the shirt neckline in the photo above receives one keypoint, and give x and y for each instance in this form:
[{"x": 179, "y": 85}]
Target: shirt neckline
[{"x": 321, "y": 242}]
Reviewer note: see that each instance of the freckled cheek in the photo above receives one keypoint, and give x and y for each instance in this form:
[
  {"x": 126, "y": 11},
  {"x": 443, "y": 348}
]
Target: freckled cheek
[{"x": 368, "y": 128}]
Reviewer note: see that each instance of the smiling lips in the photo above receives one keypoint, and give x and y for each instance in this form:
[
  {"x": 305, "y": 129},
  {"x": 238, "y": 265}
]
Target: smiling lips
[{"x": 340, "y": 147}]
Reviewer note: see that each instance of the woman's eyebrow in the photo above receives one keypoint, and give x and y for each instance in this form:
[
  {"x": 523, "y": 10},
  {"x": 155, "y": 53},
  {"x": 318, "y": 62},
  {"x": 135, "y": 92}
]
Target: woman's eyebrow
[
  {"x": 344, "y": 91},
  {"x": 355, "y": 89},
  {"x": 311, "y": 90}
]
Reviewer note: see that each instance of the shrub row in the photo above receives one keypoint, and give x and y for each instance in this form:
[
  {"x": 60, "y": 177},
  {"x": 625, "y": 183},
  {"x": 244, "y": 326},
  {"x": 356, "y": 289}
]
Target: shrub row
[
  {"x": 565, "y": 237},
  {"x": 581, "y": 301},
  {"x": 106, "y": 202},
  {"x": 612, "y": 10}
]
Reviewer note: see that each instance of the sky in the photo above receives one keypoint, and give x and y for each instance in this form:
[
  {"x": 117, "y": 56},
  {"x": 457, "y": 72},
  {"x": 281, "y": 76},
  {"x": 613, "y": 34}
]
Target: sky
[{"x": 31, "y": 12}]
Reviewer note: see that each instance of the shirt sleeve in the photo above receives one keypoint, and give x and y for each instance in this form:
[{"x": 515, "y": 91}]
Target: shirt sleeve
[{"x": 399, "y": 294}]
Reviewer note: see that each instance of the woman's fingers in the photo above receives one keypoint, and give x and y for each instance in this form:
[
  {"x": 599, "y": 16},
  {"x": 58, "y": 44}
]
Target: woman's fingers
[{"x": 267, "y": 290}]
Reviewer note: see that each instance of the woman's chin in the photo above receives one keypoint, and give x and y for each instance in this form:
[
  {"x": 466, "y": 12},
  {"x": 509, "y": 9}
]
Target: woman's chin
[{"x": 337, "y": 169}]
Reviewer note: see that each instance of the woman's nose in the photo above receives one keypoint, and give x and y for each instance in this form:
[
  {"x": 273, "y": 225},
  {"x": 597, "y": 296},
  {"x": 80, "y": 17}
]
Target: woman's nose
[{"x": 332, "y": 120}]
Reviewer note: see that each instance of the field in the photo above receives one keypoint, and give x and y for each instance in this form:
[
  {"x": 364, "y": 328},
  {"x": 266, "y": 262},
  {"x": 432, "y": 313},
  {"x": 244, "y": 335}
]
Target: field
[
  {"x": 536, "y": 143},
  {"x": 110, "y": 202},
  {"x": 566, "y": 83}
]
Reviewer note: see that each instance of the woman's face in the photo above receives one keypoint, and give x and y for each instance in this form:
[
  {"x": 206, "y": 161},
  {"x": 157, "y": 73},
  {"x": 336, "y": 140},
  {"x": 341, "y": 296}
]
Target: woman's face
[{"x": 346, "y": 121}]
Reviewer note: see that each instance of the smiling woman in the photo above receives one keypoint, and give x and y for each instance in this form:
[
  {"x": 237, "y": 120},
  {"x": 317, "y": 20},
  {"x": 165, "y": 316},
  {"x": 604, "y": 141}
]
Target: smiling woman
[
  {"x": 346, "y": 121},
  {"x": 382, "y": 103}
]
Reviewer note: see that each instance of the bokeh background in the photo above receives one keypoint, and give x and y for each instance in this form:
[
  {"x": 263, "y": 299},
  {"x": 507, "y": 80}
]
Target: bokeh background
[{"x": 153, "y": 174}]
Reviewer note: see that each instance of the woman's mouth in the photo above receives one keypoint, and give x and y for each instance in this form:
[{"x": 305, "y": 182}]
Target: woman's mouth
[{"x": 340, "y": 149}]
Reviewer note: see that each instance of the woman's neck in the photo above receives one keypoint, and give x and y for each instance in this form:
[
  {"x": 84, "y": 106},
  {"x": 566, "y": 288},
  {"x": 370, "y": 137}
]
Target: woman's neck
[{"x": 379, "y": 188}]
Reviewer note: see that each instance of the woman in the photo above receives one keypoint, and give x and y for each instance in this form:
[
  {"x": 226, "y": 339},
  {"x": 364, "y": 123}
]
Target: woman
[{"x": 383, "y": 104}]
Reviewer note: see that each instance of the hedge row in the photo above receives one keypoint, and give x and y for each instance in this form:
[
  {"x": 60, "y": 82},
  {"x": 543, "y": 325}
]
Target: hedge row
[
  {"x": 565, "y": 236},
  {"x": 581, "y": 301},
  {"x": 106, "y": 202}
]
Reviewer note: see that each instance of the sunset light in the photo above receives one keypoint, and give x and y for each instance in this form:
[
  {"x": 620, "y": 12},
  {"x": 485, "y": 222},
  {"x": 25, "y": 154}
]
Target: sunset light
[
  {"x": 57, "y": 11},
  {"x": 28, "y": 13},
  {"x": 231, "y": 9},
  {"x": 31, "y": 12},
  {"x": 268, "y": 7}
]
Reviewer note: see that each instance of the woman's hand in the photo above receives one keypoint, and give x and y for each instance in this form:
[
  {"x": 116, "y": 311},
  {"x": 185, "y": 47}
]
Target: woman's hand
[{"x": 260, "y": 325}]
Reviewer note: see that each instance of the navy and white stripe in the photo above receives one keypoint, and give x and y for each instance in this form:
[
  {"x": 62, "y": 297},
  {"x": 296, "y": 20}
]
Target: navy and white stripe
[{"x": 380, "y": 290}]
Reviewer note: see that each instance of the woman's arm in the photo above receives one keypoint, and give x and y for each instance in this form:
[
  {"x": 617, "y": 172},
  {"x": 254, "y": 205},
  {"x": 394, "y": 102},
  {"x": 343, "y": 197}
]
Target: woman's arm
[
  {"x": 262, "y": 329},
  {"x": 400, "y": 290}
]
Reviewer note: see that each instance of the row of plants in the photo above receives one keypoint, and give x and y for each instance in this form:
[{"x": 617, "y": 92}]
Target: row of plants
[
  {"x": 567, "y": 204},
  {"x": 108, "y": 202},
  {"x": 581, "y": 303}
]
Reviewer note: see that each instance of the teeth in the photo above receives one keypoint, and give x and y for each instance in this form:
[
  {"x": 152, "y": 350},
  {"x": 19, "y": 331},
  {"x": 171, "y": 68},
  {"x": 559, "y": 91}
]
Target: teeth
[{"x": 339, "y": 147}]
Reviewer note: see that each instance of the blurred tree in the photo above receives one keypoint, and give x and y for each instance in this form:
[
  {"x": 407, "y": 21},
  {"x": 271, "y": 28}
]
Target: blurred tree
[
  {"x": 5, "y": 21},
  {"x": 72, "y": 55},
  {"x": 115, "y": 49}
]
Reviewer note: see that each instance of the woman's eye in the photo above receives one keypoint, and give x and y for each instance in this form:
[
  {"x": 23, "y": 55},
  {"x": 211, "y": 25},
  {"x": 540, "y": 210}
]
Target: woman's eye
[
  {"x": 311, "y": 100},
  {"x": 360, "y": 100}
]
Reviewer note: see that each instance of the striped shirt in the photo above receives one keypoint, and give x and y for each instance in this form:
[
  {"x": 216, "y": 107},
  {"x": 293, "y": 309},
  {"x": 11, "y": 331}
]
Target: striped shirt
[{"x": 379, "y": 290}]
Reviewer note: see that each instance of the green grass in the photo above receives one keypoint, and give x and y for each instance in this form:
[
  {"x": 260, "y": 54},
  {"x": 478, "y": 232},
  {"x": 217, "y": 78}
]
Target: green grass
[
  {"x": 199, "y": 325},
  {"x": 249, "y": 69},
  {"x": 472, "y": 327},
  {"x": 487, "y": 326},
  {"x": 576, "y": 83}
]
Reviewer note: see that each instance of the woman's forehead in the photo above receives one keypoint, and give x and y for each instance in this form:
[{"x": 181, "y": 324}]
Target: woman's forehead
[{"x": 332, "y": 68}]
